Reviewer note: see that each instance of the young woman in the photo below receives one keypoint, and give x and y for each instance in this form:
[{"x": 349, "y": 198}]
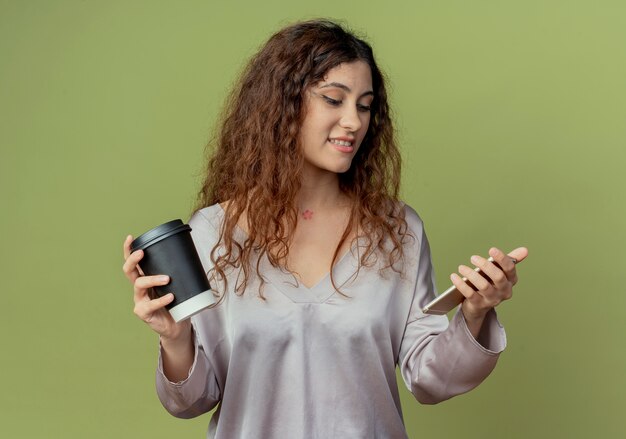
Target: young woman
[{"x": 321, "y": 271}]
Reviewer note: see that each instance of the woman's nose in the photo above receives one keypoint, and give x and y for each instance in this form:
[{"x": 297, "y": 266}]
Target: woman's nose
[{"x": 350, "y": 119}]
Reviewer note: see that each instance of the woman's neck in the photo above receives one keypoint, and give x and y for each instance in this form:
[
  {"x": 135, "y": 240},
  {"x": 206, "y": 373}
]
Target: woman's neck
[{"x": 320, "y": 193}]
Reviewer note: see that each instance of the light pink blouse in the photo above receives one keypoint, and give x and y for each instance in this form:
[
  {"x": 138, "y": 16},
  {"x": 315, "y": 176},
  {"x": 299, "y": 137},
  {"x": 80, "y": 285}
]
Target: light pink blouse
[{"x": 309, "y": 363}]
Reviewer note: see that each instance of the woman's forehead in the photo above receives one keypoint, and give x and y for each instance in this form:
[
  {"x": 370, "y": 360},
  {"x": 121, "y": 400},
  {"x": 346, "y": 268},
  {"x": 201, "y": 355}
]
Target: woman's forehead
[{"x": 355, "y": 76}]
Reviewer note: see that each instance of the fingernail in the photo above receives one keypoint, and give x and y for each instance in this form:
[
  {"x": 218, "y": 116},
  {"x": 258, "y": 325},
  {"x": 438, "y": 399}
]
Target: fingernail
[
  {"x": 163, "y": 278},
  {"x": 474, "y": 259}
]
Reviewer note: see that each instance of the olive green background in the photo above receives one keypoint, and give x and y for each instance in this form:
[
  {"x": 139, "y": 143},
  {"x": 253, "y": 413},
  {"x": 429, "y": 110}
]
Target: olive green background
[{"x": 511, "y": 117}]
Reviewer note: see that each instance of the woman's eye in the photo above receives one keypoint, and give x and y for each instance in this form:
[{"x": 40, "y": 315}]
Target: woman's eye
[
  {"x": 332, "y": 101},
  {"x": 335, "y": 103}
]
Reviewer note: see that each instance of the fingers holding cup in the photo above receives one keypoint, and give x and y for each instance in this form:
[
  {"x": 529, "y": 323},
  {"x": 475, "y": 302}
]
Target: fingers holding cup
[
  {"x": 146, "y": 309},
  {"x": 131, "y": 260},
  {"x": 144, "y": 284}
]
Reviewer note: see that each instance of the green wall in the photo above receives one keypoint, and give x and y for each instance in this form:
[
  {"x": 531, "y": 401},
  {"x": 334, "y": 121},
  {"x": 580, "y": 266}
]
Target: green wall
[{"x": 511, "y": 117}]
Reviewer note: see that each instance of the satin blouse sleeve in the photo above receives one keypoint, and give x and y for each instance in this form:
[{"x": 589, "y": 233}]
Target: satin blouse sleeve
[
  {"x": 199, "y": 392},
  {"x": 440, "y": 359}
]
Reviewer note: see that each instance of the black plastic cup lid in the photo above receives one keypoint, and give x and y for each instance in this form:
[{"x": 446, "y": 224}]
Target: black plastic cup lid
[{"x": 158, "y": 234}]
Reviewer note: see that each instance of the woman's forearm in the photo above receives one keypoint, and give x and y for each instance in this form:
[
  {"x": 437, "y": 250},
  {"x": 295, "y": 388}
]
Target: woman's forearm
[{"x": 177, "y": 356}]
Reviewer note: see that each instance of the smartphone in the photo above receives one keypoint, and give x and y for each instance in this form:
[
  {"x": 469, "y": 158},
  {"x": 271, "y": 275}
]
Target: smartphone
[{"x": 450, "y": 298}]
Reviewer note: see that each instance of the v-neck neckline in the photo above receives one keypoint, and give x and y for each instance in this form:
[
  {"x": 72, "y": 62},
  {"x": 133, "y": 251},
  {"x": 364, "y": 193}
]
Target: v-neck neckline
[{"x": 344, "y": 272}]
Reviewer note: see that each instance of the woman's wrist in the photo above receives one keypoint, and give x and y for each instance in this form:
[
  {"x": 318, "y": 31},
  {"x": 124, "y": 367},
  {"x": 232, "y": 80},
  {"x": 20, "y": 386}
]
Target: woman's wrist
[
  {"x": 474, "y": 320},
  {"x": 178, "y": 356},
  {"x": 178, "y": 340}
]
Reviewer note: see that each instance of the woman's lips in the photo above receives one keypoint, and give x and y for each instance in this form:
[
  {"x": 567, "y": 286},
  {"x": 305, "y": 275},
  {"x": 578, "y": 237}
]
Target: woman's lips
[{"x": 343, "y": 148}]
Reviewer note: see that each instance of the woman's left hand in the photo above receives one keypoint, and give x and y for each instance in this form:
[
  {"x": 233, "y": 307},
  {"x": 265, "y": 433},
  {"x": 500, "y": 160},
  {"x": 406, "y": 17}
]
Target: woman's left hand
[{"x": 487, "y": 292}]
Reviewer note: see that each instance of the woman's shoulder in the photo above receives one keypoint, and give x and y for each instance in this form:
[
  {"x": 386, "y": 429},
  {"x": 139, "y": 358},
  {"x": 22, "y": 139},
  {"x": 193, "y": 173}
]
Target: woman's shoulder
[
  {"x": 413, "y": 219},
  {"x": 209, "y": 216}
]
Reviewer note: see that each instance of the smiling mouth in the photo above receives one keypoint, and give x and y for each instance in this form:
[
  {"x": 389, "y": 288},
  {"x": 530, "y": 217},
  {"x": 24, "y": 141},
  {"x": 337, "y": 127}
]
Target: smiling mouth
[
  {"x": 340, "y": 142},
  {"x": 342, "y": 145}
]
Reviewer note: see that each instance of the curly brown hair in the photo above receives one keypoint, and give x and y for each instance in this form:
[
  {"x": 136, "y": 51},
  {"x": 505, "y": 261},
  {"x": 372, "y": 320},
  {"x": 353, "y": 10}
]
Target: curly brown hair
[{"x": 255, "y": 160}]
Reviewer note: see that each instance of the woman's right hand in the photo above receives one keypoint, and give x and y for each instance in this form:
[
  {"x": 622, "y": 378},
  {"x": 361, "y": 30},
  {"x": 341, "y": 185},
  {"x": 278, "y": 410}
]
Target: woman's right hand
[{"x": 152, "y": 311}]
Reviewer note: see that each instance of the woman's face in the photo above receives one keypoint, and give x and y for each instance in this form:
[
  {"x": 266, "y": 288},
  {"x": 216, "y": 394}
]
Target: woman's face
[{"x": 337, "y": 117}]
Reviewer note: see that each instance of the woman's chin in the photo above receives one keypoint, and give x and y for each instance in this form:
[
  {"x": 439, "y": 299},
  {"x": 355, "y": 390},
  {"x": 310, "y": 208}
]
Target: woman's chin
[
  {"x": 340, "y": 168},
  {"x": 335, "y": 167}
]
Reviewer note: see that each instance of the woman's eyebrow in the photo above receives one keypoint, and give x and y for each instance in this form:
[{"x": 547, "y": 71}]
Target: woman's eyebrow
[{"x": 346, "y": 88}]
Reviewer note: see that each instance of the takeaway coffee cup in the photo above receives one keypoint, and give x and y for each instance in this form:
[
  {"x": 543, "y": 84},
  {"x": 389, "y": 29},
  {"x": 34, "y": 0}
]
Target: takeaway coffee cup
[{"x": 168, "y": 249}]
